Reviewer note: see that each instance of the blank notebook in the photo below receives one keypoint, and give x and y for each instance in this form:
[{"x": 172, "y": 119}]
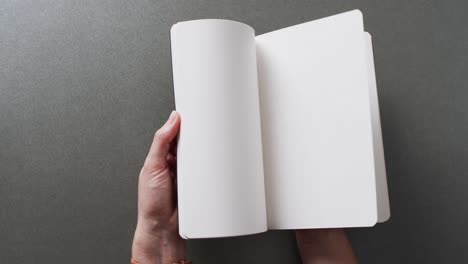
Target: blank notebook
[{"x": 280, "y": 130}]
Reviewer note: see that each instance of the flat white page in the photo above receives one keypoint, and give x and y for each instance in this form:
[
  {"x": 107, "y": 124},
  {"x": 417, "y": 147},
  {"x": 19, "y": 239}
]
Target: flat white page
[
  {"x": 316, "y": 125},
  {"x": 383, "y": 204},
  {"x": 220, "y": 168}
]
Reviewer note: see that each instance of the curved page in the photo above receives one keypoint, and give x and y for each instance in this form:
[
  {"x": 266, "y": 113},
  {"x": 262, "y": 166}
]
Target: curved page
[
  {"x": 220, "y": 169},
  {"x": 383, "y": 204}
]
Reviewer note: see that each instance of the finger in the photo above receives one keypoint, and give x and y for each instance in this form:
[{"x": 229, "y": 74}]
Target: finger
[{"x": 156, "y": 158}]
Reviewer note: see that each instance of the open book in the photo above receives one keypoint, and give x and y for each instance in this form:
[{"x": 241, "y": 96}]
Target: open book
[{"x": 280, "y": 130}]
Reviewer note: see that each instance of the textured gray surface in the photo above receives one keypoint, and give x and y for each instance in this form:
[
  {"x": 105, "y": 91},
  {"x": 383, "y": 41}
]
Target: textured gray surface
[{"x": 83, "y": 85}]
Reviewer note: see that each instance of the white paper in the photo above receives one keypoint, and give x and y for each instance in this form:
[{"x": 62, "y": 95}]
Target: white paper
[
  {"x": 316, "y": 125},
  {"x": 383, "y": 205},
  {"x": 220, "y": 171}
]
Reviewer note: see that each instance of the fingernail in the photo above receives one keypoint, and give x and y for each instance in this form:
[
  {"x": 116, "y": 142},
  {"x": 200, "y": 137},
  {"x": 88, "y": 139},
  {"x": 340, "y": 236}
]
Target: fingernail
[{"x": 172, "y": 117}]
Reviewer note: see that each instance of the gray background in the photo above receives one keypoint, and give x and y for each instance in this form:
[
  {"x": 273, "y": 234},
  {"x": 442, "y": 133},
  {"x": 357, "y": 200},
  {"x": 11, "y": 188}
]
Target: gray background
[{"x": 84, "y": 84}]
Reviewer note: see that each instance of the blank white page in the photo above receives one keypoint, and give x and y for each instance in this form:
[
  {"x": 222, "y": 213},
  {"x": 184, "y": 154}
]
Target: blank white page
[
  {"x": 219, "y": 158},
  {"x": 316, "y": 125},
  {"x": 383, "y": 204}
]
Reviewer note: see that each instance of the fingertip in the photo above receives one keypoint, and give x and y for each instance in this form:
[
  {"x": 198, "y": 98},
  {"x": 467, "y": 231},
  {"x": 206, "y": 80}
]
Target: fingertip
[
  {"x": 175, "y": 117},
  {"x": 174, "y": 123},
  {"x": 163, "y": 139}
]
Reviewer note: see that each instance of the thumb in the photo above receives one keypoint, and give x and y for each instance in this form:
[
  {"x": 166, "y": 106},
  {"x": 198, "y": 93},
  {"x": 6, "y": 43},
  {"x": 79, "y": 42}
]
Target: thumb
[{"x": 156, "y": 159}]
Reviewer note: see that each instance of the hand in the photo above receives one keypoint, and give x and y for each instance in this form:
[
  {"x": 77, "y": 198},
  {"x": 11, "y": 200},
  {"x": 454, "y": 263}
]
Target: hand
[
  {"x": 324, "y": 246},
  {"x": 156, "y": 237}
]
